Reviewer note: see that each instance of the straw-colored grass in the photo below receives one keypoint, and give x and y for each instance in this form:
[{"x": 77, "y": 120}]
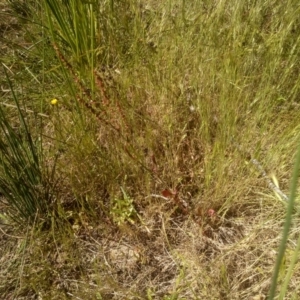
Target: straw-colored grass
[{"x": 165, "y": 136}]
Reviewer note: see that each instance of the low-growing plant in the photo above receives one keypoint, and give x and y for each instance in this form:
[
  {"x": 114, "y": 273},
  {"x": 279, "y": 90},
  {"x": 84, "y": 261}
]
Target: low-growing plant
[{"x": 123, "y": 209}]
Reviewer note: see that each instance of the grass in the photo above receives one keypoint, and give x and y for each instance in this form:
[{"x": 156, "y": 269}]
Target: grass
[{"x": 148, "y": 150}]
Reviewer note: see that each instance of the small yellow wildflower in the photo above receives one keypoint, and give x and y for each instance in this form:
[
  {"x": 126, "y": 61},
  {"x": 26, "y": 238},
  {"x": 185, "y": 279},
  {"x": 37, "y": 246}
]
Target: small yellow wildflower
[{"x": 54, "y": 101}]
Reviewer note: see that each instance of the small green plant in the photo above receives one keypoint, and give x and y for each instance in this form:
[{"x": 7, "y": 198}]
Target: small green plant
[{"x": 123, "y": 210}]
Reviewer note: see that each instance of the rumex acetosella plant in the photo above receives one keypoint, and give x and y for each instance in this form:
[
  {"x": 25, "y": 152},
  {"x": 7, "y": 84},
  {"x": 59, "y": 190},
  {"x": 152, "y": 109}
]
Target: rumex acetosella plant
[{"x": 25, "y": 188}]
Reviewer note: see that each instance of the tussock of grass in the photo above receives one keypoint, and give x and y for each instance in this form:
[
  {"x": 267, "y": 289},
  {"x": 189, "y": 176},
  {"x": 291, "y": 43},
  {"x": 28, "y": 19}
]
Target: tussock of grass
[{"x": 160, "y": 109}]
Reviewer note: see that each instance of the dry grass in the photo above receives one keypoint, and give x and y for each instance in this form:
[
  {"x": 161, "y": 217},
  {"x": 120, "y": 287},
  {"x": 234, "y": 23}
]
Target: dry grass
[{"x": 154, "y": 199}]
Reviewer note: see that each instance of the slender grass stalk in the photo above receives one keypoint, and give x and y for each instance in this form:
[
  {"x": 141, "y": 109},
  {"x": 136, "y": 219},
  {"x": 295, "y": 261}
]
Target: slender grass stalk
[
  {"x": 290, "y": 272},
  {"x": 287, "y": 225}
]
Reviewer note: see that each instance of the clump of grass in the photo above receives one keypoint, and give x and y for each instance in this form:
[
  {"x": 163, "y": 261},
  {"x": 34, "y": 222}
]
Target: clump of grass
[{"x": 24, "y": 185}]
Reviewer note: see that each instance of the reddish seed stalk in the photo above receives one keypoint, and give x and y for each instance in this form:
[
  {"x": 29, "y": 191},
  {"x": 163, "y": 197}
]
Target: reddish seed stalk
[{"x": 105, "y": 102}]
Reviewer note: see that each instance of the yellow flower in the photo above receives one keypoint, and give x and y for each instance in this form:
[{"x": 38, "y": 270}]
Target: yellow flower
[{"x": 54, "y": 101}]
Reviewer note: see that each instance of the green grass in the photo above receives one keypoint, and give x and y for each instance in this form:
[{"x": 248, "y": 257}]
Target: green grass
[{"x": 144, "y": 173}]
